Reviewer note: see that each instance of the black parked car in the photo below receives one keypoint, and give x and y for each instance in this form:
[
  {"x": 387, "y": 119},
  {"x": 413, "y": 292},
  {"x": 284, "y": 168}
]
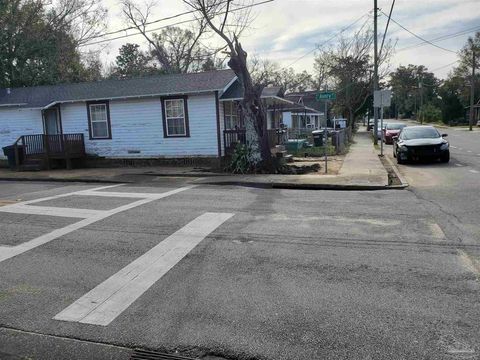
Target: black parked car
[{"x": 420, "y": 143}]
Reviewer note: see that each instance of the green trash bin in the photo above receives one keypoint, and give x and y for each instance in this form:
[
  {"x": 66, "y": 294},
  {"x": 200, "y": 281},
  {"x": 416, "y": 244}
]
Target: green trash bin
[
  {"x": 9, "y": 152},
  {"x": 293, "y": 145}
]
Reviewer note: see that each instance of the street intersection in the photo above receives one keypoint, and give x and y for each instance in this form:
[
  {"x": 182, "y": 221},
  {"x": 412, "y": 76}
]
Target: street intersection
[{"x": 237, "y": 272}]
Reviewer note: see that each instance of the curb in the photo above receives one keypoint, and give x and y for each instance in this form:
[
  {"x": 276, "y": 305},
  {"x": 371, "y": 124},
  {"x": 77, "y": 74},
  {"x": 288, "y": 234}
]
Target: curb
[
  {"x": 84, "y": 180},
  {"x": 293, "y": 186},
  {"x": 397, "y": 172},
  {"x": 180, "y": 174}
]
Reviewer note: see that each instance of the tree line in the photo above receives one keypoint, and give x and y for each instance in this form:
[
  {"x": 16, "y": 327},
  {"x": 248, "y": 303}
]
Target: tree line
[{"x": 419, "y": 93}]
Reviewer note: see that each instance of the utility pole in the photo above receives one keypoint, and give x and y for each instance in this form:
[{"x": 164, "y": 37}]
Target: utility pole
[
  {"x": 375, "y": 69},
  {"x": 420, "y": 88},
  {"x": 472, "y": 89}
]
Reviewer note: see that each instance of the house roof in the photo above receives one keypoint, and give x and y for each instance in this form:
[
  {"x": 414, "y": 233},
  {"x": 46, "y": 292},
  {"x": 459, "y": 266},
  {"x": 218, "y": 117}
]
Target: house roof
[
  {"x": 174, "y": 84},
  {"x": 307, "y": 98},
  {"x": 235, "y": 92}
]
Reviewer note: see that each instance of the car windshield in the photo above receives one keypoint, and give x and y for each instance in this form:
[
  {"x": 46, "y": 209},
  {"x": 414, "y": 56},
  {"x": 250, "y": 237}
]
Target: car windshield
[
  {"x": 420, "y": 133},
  {"x": 395, "y": 126}
]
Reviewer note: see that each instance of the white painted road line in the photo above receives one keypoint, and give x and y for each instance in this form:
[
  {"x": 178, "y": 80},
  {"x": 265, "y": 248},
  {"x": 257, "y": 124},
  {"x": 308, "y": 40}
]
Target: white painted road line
[
  {"x": 474, "y": 171},
  {"x": 50, "y": 211},
  {"x": 104, "y": 303},
  {"x": 458, "y": 164},
  {"x": 9, "y": 252},
  {"x": 66, "y": 194}
]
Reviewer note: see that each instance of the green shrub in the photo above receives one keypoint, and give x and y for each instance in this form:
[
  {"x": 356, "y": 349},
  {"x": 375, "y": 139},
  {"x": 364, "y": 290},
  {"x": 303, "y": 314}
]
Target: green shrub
[
  {"x": 240, "y": 163},
  {"x": 430, "y": 113}
]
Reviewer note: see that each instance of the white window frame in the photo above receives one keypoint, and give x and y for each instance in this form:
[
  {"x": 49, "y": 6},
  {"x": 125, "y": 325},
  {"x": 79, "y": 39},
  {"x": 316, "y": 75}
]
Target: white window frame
[
  {"x": 232, "y": 116},
  {"x": 184, "y": 117},
  {"x": 107, "y": 121}
]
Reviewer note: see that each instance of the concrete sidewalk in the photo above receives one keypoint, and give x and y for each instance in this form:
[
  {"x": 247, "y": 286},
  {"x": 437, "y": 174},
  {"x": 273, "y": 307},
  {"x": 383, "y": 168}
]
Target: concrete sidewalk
[{"x": 361, "y": 169}]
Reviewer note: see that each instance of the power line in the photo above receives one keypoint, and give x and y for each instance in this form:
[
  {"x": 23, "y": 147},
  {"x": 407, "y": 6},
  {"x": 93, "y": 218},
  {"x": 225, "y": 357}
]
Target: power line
[
  {"x": 166, "y": 26},
  {"x": 327, "y": 41},
  {"x": 418, "y": 36},
  {"x": 441, "y": 38},
  {"x": 444, "y": 66},
  {"x": 386, "y": 29}
]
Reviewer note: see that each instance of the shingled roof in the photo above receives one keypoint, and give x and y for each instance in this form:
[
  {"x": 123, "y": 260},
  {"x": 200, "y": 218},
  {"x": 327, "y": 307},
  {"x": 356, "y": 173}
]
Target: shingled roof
[{"x": 160, "y": 85}]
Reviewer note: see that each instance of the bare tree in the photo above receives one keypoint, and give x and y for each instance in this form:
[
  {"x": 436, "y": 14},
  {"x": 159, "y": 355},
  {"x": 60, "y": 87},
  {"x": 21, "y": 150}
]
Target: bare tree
[
  {"x": 177, "y": 50},
  {"x": 348, "y": 67},
  {"x": 229, "y": 25},
  {"x": 82, "y": 19}
]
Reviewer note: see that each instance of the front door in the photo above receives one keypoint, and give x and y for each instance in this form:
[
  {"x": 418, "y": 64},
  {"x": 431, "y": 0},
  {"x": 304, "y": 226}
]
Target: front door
[{"x": 51, "y": 122}]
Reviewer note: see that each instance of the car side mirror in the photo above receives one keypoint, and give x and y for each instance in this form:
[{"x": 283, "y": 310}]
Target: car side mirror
[{"x": 444, "y": 135}]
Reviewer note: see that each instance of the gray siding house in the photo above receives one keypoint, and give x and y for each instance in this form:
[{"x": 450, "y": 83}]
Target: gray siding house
[
  {"x": 156, "y": 116},
  {"x": 167, "y": 116}
]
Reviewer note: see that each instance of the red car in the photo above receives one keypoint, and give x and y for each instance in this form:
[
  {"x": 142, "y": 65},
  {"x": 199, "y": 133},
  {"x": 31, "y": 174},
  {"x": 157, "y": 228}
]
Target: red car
[{"x": 391, "y": 130}]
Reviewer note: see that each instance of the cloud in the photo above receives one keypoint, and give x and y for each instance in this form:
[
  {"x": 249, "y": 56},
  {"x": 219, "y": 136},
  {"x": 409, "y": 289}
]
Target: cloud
[{"x": 285, "y": 30}]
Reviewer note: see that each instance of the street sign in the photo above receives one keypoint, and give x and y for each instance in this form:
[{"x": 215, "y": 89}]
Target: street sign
[
  {"x": 382, "y": 98},
  {"x": 326, "y": 95}
]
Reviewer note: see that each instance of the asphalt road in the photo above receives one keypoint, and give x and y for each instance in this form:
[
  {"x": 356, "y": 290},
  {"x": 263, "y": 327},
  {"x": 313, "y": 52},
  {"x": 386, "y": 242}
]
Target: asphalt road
[{"x": 288, "y": 274}]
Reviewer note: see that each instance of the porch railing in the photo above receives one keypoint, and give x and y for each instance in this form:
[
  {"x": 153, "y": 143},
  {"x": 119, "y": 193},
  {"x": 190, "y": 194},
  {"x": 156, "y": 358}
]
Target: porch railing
[
  {"x": 233, "y": 137},
  {"x": 46, "y": 147}
]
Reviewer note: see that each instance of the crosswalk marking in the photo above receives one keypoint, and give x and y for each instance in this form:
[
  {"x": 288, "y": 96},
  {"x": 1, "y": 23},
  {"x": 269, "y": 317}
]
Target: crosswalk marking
[
  {"x": 50, "y": 211},
  {"x": 7, "y": 252},
  {"x": 105, "y": 302}
]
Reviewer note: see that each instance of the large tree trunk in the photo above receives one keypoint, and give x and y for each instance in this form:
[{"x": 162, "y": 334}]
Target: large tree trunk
[{"x": 253, "y": 112}]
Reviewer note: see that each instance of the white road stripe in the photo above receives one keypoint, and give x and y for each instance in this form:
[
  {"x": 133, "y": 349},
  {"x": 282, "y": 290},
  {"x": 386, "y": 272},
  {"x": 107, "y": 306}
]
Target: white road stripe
[
  {"x": 474, "y": 171},
  {"x": 469, "y": 151},
  {"x": 458, "y": 164},
  {"x": 453, "y": 147},
  {"x": 50, "y": 211},
  {"x": 119, "y": 194},
  {"x": 104, "y": 303},
  {"x": 9, "y": 252}
]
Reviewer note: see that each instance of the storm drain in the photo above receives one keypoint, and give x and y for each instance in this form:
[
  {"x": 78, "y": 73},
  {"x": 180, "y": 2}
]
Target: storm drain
[{"x": 153, "y": 355}]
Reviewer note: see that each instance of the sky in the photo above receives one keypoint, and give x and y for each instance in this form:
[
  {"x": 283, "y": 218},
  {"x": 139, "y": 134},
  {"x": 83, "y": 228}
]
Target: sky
[{"x": 288, "y": 31}]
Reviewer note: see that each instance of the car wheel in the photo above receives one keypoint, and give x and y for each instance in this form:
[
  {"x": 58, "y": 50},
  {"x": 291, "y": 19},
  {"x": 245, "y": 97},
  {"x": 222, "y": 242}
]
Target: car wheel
[
  {"x": 400, "y": 161},
  {"x": 445, "y": 158},
  {"x": 394, "y": 153}
]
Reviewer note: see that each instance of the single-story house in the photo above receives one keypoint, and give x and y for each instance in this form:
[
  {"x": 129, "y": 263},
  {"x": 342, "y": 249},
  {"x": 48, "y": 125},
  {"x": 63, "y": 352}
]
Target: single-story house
[
  {"x": 309, "y": 113},
  {"x": 165, "y": 116}
]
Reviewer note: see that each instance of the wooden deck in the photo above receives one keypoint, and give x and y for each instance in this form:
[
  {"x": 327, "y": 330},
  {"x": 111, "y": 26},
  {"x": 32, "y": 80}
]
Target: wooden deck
[{"x": 41, "y": 148}]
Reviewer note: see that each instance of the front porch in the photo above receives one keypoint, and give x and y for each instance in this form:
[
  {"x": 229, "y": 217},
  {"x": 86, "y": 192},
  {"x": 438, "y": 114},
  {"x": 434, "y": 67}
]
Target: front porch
[{"x": 40, "y": 151}]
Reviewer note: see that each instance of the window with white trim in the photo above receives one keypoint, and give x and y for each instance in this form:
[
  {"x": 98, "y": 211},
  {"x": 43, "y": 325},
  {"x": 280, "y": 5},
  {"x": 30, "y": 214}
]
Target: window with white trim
[
  {"x": 231, "y": 115},
  {"x": 175, "y": 117},
  {"x": 99, "y": 127}
]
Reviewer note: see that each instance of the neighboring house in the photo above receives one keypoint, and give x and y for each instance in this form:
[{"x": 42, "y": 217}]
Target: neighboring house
[
  {"x": 167, "y": 116},
  {"x": 310, "y": 113}
]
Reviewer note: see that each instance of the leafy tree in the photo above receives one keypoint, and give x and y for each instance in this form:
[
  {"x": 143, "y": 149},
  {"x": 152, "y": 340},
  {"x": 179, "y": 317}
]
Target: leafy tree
[
  {"x": 37, "y": 45},
  {"x": 409, "y": 85},
  {"x": 430, "y": 112},
  {"x": 132, "y": 62}
]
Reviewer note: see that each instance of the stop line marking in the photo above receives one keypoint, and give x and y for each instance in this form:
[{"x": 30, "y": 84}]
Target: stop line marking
[
  {"x": 105, "y": 302},
  {"x": 90, "y": 216}
]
